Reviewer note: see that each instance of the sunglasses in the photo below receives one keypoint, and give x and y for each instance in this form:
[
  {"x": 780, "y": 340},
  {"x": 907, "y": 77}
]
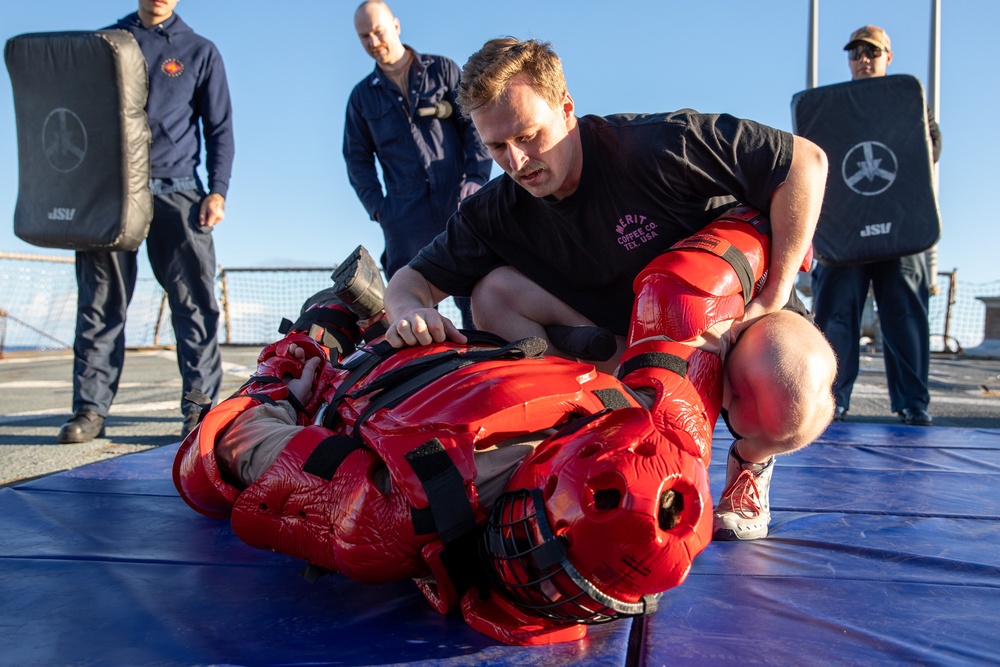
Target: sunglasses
[{"x": 873, "y": 52}]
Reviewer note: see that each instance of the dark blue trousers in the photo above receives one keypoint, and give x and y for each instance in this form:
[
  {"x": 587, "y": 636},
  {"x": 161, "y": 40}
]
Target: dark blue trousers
[
  {"x": 404, "y": 239},
  {"x": 901, "y": 295},
  {"x": 182, "y": 256}
]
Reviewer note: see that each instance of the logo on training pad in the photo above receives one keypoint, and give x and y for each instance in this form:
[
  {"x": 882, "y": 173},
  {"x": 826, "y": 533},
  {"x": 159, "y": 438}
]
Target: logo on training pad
[
  {"x": 172, "y": 67},
  {"x": 634, "y": 230},
  {"x": 877, "y": 229},
  {"x": 869, "y": 168},
  {"x": 62, "y": 213},
  {"x": 64, "y": 140}
]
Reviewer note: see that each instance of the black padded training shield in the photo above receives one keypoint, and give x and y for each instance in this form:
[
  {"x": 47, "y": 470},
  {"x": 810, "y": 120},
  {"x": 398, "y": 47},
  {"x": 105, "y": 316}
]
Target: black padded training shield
[
  {"x": 880, "y": 200},
  {"x": 82, "y": 139}
]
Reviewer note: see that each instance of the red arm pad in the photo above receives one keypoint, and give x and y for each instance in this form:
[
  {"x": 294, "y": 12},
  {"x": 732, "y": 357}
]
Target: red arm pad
[
  {"x": 687, "y": 386},
  {"x": 196, "y": 471},
  {"x": 703, "y": 280},
  {"x": 334, "y": 516}
]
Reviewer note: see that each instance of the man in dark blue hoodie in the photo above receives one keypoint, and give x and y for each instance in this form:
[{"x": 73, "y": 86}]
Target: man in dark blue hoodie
[{"x": 188, "y": 101}]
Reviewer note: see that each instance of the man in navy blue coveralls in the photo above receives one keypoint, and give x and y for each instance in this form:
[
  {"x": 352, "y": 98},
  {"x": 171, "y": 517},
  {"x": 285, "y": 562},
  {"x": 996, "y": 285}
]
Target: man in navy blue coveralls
[
  {"x": 431, "y": 157},
  {"x": 900, "y": 286},
  {"x": 187, "y": 84}
]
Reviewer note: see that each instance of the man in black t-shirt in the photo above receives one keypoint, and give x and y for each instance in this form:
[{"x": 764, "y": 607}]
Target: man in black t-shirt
[{"x": 554, "y": 244}]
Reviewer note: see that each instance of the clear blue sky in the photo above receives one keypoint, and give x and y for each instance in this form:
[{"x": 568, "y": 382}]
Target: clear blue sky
[{"x": 292, "y": 64}]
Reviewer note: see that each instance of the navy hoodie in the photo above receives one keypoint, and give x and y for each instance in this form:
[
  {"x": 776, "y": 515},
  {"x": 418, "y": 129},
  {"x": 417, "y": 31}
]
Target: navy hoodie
[{"x": 187, "y": 81}]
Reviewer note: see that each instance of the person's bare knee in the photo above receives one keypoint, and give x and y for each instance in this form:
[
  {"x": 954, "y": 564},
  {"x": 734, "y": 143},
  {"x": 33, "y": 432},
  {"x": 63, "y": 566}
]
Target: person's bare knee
[
  {"x": 506, "y": 300},
  {"x": 494, "y": 297},
  {"x": 511, "y": 305}
]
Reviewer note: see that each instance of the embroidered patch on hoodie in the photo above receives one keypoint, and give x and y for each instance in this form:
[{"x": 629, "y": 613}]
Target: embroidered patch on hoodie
[{"x": 172, "y": 67}]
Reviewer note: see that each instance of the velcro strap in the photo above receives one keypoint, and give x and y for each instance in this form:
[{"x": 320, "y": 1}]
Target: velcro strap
[
  {"x": 375, "y": 330},
  {"x": 445, "y": 490},
  {"x": 669, "y": 362},
  {"x": 612, "y": 398},
  {"x": 328, "y": 455}
]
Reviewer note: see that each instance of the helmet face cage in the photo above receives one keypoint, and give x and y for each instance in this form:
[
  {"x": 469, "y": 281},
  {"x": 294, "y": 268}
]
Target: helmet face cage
[{"x": 529, "y": 565}]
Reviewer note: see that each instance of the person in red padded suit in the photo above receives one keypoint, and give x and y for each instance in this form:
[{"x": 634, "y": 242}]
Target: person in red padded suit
[{"x": 532, "y": 493}]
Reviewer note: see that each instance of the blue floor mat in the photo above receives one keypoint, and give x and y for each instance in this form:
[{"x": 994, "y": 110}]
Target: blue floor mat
[{"x": 884, "y": 550}]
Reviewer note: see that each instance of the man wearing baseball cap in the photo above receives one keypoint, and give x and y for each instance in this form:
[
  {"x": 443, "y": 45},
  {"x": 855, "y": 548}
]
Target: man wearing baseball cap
[
  {"x": 870, "y": 52},
  {"x": 900, "y": 285}
]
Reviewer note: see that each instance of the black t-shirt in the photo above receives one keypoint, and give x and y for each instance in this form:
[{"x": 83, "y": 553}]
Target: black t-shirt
[{"x": 648, "y": 181}]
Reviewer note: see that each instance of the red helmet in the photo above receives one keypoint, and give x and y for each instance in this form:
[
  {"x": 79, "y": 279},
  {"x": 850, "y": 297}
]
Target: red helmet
[{"x": 599, "y": 520}]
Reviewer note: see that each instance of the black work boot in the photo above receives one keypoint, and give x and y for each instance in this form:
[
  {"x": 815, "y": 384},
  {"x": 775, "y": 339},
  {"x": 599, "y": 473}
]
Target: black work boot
[{"x": 85, "y": 425}]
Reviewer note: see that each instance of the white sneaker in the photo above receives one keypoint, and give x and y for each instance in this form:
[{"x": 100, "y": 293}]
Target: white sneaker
[{"x": 744, "y": 510}]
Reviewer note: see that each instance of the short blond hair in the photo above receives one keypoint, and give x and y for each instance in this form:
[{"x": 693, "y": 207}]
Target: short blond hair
[{"x": 489, "y": 70}]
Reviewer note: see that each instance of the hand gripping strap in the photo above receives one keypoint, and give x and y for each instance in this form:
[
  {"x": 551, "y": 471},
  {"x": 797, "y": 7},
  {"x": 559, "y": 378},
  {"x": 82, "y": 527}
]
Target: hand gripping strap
[
  {"x": 687, "y": 387},
  {"x": 196, "y": 472},
  {"x": 701, "y": 281}
]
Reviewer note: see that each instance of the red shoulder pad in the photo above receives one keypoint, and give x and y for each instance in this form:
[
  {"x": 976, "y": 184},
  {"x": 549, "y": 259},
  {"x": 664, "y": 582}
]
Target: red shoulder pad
[{"x": 702, "y": 280}]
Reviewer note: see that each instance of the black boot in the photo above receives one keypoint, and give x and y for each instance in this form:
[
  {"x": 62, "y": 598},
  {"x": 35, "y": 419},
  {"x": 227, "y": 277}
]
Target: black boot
[
  {"x": 358, "y": 283},
  {"x": 85, "y": 425}
]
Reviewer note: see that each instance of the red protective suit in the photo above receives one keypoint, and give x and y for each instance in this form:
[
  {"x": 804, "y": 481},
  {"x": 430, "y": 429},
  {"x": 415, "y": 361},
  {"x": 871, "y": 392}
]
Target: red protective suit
[
  {"x": 380, "y": 482},
  {"x": 420, "y": 413}
]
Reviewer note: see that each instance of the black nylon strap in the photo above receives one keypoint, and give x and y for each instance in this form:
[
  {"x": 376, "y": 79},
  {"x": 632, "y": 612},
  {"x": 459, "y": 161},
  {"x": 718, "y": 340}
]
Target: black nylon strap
[
  {"x": 743, "y": 270},
  {"x": 710, "y": 243},
  {"x": 270, "y": 379},
  {"x": 398, "y": 385},
  {"x": 263, "y": 398},
  {"x": 328, "y": 455},
  {"x": 655, "y": 360},
  {"x": 339, "y": 329},
  {"x": 359, "y": 366},
  {"x": 397, "y": 376},
  {"x": 423, "y": 521},
  {"x": 445, "y": 490}
]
